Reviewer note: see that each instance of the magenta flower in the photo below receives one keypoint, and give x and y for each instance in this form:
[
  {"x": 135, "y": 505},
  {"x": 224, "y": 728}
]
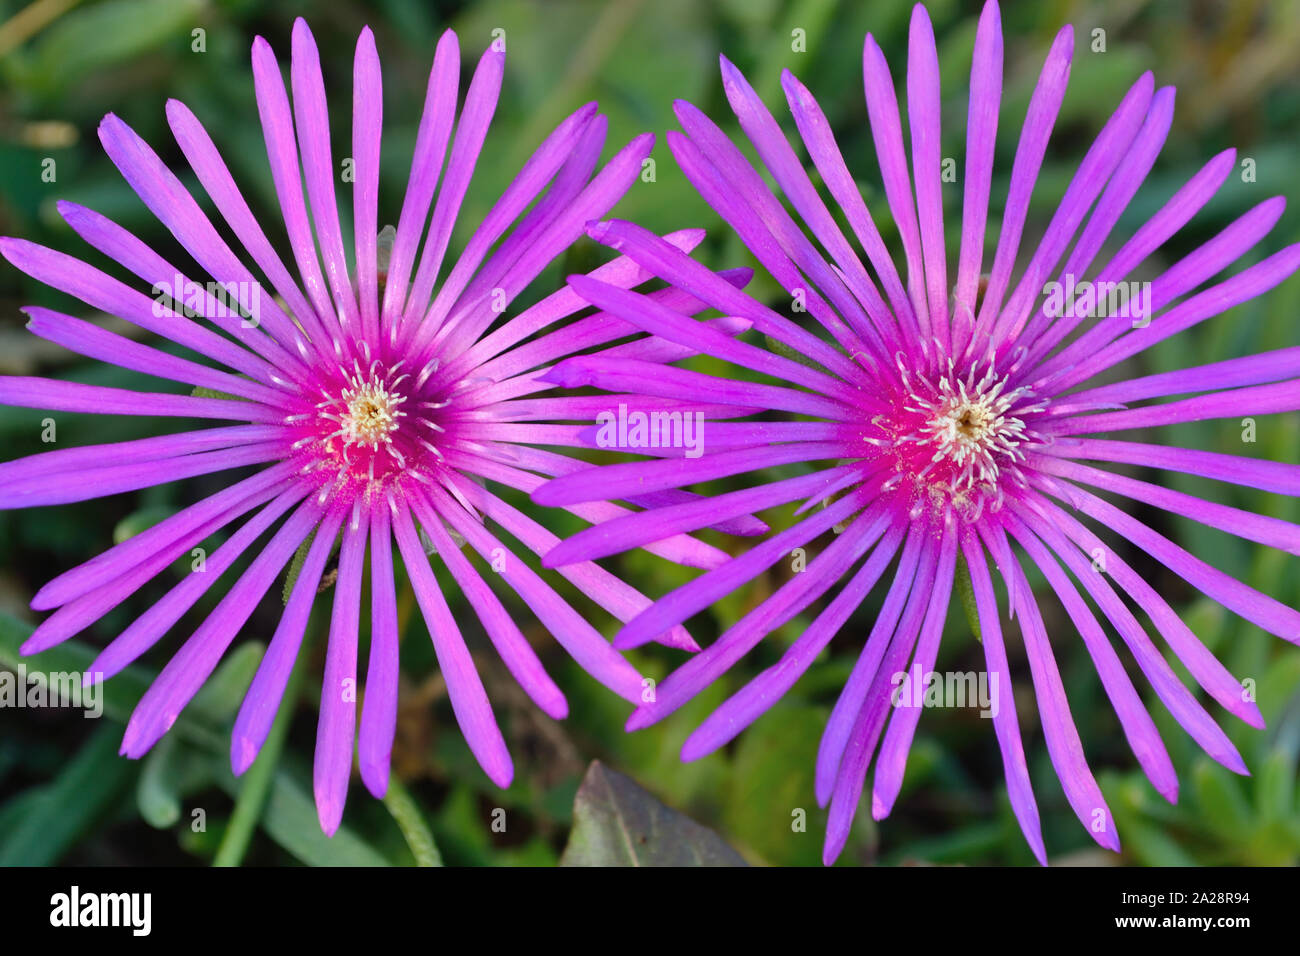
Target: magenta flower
[
  {"x": 374, "y": 402},
  {"x": 954, "y": 426}
]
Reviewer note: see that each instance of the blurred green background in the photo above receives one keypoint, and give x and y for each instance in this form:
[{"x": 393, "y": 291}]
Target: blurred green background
[{"x": 65, "y": 797}]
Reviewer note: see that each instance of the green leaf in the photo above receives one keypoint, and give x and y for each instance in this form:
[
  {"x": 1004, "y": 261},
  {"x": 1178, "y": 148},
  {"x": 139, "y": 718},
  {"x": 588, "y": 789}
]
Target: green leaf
[
  {"x": 290, "y": 820},
  {"x": 295, "y": 566},
  {"x": 110, "y": 33},
  {"x": 19, "y": 806},
  {"x": 771, "y": 778},
  {"x": 958, "y": 845},
  {"x": 87, "y": 787},
  {"x": 617, "y": 823},
  {"x": 256, "y": 782},
  {"x": 966, "y": 592},
  {"x": 157, "y": 793},
  {"x": 223, "y": 692},
  {"x": 793, "y": 354},
  {"x": 1275, "y": 786},
  {"x": 138, "y": 521},
  {"x": 200, "y": 392},
  {"x": 118, "y": 696},
  {"x": 169, "y": 773},
  {"x": 1153, "y": 847},
  {"x": 813, "y": 18},
  {"x": 1221, "y": 800}
]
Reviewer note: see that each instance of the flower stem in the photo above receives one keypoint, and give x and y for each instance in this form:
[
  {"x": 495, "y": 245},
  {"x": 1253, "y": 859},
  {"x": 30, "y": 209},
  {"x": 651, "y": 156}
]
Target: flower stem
[
  {"x": 406, "y": 813},
  {"x": 257, "y": 780}
]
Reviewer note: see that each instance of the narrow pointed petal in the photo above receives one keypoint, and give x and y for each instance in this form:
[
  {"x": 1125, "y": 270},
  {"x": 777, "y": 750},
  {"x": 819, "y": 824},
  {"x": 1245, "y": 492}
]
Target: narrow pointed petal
[
  {"x": 337, "y": 725},
  {"x": 469, "y": 700}
]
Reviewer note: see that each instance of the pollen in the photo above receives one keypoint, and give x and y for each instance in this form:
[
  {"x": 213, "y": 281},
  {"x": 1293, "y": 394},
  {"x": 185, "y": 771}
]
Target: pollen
[
  {"x": 371, "y": 415},
  {"x": 971, "y": 425},
  {"x": 364, "y": 421},
  {"x": 953, "y": 438}
]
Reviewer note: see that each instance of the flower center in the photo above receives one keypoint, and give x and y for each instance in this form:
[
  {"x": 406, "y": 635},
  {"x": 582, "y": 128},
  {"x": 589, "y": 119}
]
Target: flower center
[
  {"x": 371, "y": 415},
  {"x": 950, "y": 441},
  {"x": 971, "y": 429},
  {"x": 362, "y": 430}
]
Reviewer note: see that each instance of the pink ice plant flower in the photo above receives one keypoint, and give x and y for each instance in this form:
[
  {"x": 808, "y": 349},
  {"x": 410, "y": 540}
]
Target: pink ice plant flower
[
  {"x": 950, "y": 425},
  {"x": 375, "y": 401}
]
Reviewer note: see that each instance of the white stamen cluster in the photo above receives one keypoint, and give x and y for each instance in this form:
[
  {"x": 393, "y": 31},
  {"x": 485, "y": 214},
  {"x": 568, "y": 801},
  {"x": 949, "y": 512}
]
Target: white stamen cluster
[
  {"x": 971, "y": 425},
  {"x": 366, "y": 411},
  {"x": 371, "y": 415}
]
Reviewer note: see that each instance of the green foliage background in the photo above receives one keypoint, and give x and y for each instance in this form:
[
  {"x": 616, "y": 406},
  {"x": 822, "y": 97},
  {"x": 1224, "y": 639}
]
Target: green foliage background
[{"x": 66, "y": 797}]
